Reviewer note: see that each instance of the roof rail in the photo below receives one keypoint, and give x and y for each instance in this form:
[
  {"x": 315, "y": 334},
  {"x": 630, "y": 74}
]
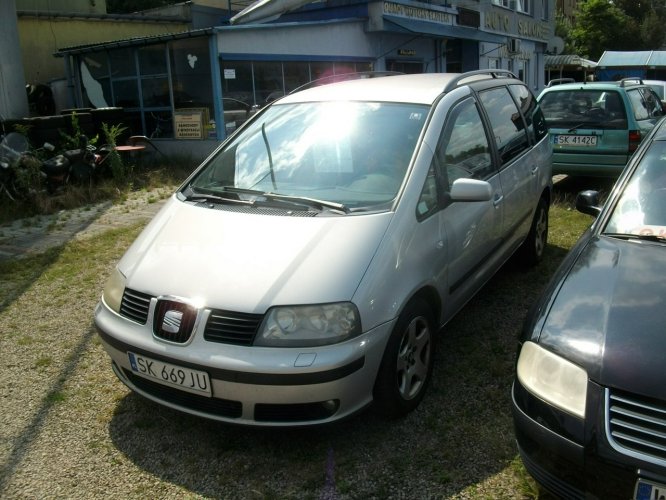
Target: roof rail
[
  {"x": 635, "y": 80},
  {"x": 490, "y": 73},
  {"x": 343, "y": 77},
  {"x": 560, "y": 81}
]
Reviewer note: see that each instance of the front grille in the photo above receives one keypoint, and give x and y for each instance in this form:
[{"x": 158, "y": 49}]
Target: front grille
[
  {"x": 212, "y": 406},
  {"x": 174, "y": 321},
  {"x": 637, "y": 426},
  {"x": 228, "y": 327},
  {"x": 135, "y": 305}
]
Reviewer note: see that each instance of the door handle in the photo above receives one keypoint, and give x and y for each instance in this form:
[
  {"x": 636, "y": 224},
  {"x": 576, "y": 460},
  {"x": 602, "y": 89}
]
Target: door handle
[{"x": 498, "y": 199}]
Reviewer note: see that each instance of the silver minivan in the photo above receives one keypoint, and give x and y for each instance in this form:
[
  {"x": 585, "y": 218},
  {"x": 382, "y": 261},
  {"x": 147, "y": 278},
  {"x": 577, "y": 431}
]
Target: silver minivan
[{"x": 301, "y": 272}]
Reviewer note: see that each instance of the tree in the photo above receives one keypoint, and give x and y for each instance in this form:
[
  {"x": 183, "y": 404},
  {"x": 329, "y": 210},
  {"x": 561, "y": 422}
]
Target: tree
[{"x": 617, "y": 25}]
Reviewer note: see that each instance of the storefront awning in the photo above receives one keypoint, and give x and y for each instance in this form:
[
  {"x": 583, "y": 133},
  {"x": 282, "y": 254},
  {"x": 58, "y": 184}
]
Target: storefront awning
[{"x": 441, "y": 30}]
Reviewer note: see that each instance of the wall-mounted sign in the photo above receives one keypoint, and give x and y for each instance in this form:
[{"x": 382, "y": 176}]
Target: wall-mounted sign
[
  {"x": 406, "y": 52},
  {"x": 189, "y": 123},
  {"x": 419, "y": 13}
]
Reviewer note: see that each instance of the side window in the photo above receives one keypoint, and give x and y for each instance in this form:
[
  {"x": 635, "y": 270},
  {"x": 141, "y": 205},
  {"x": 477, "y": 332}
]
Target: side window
[
  {"x": 638, "y": 104},
  {"x": 462, "y": 151},
  {"x": 652, "y": 103},
  {"x": 507, "y": 123},
  {"x": 536, "y": 123}
]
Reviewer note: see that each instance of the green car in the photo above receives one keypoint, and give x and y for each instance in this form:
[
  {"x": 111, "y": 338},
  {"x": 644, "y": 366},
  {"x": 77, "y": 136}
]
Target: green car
[{"x": 596, "y": 126}]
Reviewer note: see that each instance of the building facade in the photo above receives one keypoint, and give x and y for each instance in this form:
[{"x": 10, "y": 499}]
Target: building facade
[{"x": 218, "y": 74}]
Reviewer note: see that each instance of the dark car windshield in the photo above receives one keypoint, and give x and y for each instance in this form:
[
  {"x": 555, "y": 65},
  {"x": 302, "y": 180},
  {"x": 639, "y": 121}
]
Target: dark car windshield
[
  {"x": 584, "y": 108},
  {"x": 641, "y": 210},
  {"x": 352, "y": 153}
]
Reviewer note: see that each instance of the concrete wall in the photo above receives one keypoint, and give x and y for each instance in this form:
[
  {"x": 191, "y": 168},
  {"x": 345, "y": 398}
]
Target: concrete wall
[{"x": 41, "y": 37}]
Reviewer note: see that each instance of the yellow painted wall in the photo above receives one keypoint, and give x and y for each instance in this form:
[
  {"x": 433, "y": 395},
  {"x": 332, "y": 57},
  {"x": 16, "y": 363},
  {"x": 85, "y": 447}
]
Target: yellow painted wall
[{"x": 40, "y": 38}]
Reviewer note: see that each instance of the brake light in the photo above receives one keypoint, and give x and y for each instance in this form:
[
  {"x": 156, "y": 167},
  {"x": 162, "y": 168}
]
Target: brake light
[{"x": 634, "y": 140}]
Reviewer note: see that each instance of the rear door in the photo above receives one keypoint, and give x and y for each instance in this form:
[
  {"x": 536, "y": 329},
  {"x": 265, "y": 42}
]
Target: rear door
[{"x": 518, "y": 170}]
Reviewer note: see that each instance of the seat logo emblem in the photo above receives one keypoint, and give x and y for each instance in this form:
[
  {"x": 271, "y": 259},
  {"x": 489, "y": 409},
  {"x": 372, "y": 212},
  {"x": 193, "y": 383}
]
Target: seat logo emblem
[{"x": 172, "y": 320}]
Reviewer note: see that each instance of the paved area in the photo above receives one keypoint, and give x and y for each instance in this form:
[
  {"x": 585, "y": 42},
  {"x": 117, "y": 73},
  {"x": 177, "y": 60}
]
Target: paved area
[{"x": 37, "y": 234}]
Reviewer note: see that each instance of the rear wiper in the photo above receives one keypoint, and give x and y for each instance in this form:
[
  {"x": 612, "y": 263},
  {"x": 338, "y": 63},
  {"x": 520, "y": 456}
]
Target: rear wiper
[
  {"x": 310, "y": 202},
  {"x": 575, "y": 127}
]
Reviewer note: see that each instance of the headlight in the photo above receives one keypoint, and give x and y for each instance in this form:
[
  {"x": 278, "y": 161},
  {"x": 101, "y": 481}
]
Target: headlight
[
  {"x": 301, "y": 326},
  {"x": 553, "y": 379},
  {"x": 113, "y": 291}
]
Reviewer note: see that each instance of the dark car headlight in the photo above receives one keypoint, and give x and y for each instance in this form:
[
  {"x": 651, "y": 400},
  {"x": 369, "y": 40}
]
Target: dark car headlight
[{"x": 552, "y": 378}]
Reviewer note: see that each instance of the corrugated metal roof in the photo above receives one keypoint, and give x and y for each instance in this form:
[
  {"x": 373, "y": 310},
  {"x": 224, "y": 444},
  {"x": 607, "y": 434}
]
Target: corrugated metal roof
[
  {"x": 568, "y": 60},
  {"x": 615, "y": 59},
  {"x": 144, "y": 40}
]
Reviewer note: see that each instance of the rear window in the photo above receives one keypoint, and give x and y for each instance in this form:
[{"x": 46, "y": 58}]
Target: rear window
[{"x": 583, "y": 108}]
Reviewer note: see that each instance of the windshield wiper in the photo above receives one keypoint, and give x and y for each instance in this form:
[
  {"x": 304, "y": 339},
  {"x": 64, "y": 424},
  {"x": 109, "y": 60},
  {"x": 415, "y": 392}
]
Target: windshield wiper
[
  {"x": 205, "y": 195},
  {"x": 642, "y": 237},
  {"x": 309, "y": 202},
  {"x": 270, "y": 156}
]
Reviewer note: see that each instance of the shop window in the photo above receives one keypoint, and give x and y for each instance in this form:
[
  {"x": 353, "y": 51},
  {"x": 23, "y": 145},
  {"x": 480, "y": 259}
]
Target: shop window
[
  {"x": 268, "y": 81},
  {"x": 122, "y": 62},
  {"x": 126, "y": 93},
  {"x": 190, "y": 74},
  {"x": 295, "y": 75},
  {"x": 153, "y": 60},
  {"x": 237, "y": 81},
  {"x": 96, "y": 80},
  {"x": 155, "y": 92}
]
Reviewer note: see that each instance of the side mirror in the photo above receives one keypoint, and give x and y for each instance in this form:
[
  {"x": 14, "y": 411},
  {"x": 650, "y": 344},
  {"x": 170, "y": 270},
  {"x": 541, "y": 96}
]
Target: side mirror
[
  {"x": 470, "y": 190},
  {"x": 587, "y": 202}
]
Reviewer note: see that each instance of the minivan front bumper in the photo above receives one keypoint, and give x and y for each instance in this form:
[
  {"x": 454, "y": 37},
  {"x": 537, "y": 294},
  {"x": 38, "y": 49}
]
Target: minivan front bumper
[{"x": 252, "y": 385}]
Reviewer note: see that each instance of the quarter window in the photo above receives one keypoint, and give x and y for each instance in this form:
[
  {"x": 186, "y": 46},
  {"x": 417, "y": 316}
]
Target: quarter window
[
  {"x": 507, "y": 123},
  {"x": 536, "y": 124}
]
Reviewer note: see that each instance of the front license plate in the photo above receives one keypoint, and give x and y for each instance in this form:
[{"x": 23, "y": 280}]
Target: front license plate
[
  {"x": 575, "y": 140},
  {"x": 186, "y": 379},
  {"x": 648, "y": 490}
]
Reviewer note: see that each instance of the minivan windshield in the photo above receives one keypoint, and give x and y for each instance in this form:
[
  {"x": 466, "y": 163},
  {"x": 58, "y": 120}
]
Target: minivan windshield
[
  {"x": 584, "y": 108},
  {"x": 354, "y": 154}
]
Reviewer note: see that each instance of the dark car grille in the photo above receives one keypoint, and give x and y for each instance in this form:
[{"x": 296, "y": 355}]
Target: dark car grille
[
  {"x": 135, "y": 306},
  {"x": 228, "y": 327},
  {"x": 213, "y": 406},
  {"x": 637, "y": 425}
]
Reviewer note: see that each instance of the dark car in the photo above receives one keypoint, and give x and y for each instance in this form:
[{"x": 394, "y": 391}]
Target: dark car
[{"x": 589, "y": 397}]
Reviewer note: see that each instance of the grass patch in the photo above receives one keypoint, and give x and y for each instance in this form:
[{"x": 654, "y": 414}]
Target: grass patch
[
  {"x": 169, "y": 171},
  {"x": 458, "y": 444}
]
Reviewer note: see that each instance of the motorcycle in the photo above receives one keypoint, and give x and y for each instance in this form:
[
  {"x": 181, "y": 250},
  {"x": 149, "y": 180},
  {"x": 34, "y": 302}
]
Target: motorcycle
[
  {"x": 82, "y": 165},
  {"x": 12, "y": 148}
]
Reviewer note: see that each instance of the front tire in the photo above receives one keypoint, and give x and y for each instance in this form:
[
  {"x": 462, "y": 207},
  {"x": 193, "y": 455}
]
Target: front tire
[{"x": 407, "y": 363}]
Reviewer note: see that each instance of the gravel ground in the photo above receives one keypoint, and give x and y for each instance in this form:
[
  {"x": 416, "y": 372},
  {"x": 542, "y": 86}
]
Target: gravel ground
[{"x": 69, "y": 429}]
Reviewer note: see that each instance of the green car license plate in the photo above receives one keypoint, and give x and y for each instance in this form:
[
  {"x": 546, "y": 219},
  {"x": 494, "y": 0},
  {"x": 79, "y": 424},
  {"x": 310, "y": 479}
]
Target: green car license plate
[
  {"x": 575, "y": 140},
  {"x": 186, "y": 379},
  {"x": 648, "y": 490}
]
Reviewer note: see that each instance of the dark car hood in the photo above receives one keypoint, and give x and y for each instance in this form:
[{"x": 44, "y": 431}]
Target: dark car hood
[{"x": 609, "y": 315}]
